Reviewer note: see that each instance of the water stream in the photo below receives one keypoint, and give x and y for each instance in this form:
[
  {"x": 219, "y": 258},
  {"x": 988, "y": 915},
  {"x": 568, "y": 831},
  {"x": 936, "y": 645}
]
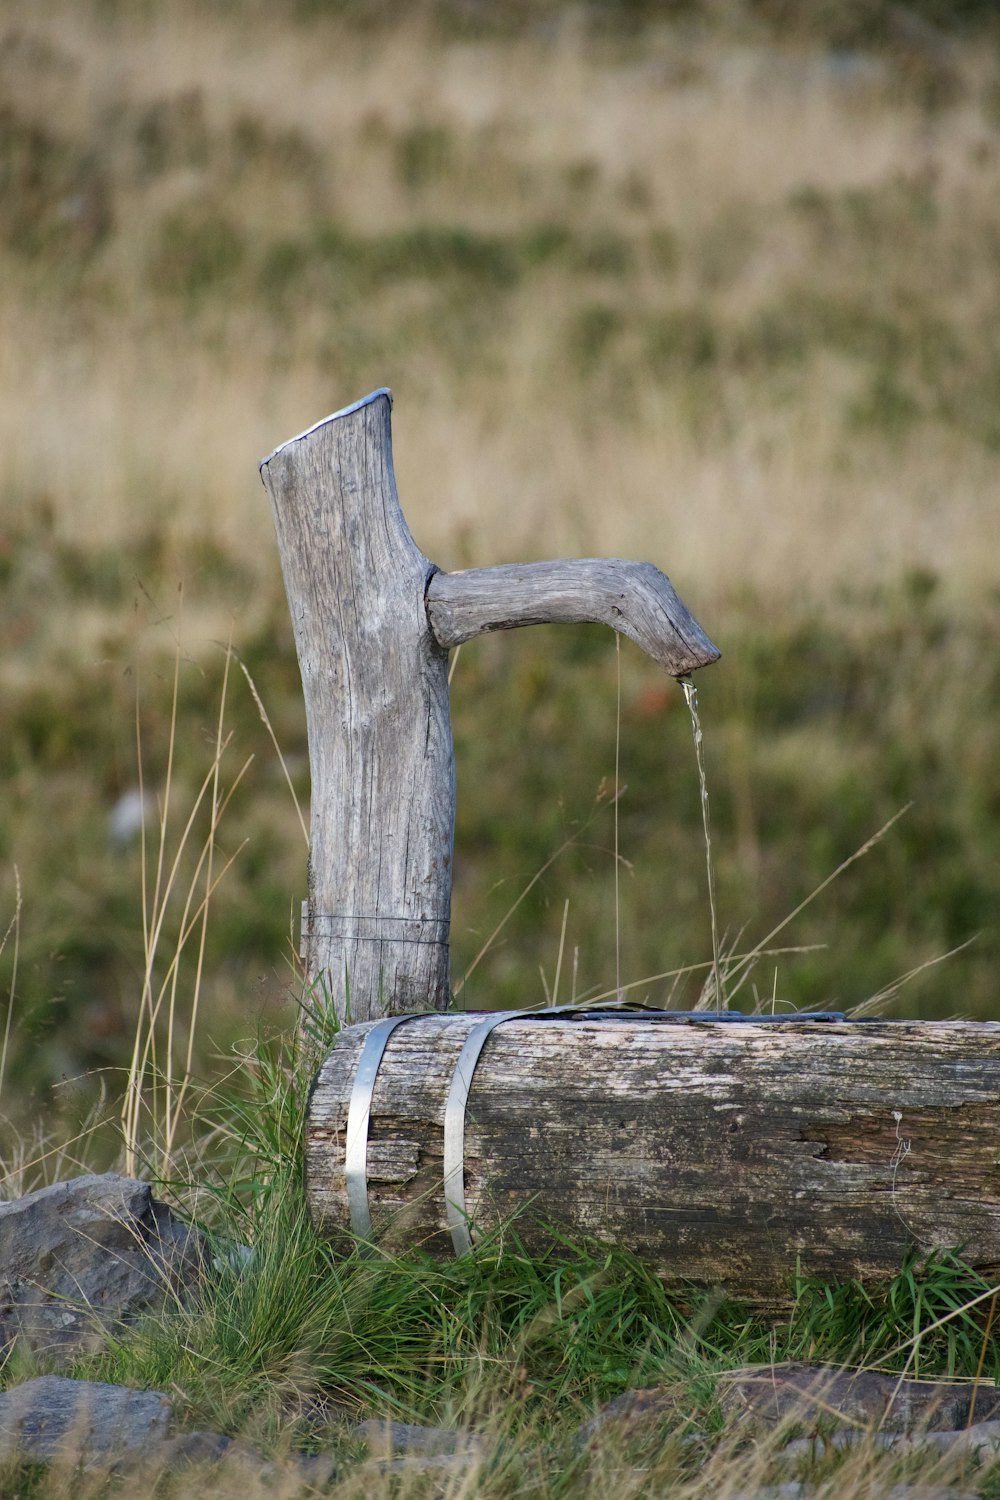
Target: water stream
[{"x": 691, "y": 696}]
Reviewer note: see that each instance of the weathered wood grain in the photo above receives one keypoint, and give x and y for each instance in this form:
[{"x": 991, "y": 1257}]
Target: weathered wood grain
[
  {"x": 371, "y": 619},
  {"x": 634, "y": 598},
  {"x": 720, "y": 1153},
  {"x": 377, "y": 715}
]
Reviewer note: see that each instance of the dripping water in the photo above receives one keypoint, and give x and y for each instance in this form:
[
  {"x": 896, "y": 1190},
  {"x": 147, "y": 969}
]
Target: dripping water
[{"x": 691, "y": 697}]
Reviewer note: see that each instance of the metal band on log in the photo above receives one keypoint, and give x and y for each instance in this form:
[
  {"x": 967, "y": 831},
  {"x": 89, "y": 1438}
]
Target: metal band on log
[{"x": 724, "y": 1155}]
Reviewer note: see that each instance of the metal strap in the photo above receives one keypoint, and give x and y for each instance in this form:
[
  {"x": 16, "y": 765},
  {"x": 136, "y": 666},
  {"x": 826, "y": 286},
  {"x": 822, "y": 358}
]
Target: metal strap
[
  {"x": 454, "y": 1125},
  {"x": 457, "y": 1100},
  {"x": 358, "y": 1115},
  {"x": 456, "y": 1103}
]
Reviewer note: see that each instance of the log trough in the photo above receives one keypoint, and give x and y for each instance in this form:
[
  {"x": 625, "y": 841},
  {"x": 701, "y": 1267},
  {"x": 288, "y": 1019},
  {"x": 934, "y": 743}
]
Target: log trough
[
  {"x": 725, "y": 1150},
  {"x": 725, "y": 1153}
]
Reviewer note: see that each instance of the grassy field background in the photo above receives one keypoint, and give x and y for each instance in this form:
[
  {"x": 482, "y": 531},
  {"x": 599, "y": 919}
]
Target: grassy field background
[{"x": 695, "y": 287}]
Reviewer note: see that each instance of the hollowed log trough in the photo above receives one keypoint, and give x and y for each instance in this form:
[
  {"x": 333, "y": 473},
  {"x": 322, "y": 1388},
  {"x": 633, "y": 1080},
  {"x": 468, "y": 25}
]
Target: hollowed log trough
[
  {"x": 725, "y": 1152},
  {"x": 729, "y": 1154}
]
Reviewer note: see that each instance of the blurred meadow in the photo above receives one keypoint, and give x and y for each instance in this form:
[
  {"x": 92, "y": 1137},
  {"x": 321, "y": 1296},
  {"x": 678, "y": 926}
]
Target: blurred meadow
[{"x": 692, "y": 284}]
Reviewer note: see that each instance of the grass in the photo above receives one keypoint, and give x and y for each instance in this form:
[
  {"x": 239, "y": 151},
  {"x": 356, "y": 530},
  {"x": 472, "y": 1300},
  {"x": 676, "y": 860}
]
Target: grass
[
  {"x": 704, "y": 292},
  {"x": 711, "y": 276},
  {"x": 814, "y": 736},
  {"x": 290, "y": 1343}
]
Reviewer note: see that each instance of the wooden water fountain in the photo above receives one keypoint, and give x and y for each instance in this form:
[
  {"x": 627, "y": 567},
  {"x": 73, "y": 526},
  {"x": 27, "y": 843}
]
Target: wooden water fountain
[{"x": 726, "y": 1150}]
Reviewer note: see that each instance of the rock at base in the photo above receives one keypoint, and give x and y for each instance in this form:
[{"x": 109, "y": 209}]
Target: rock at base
[
  {"x": 870, "y": 1399},
  {"x": 85, "y": 1258},
  {"x": 56, "y": 1420}
]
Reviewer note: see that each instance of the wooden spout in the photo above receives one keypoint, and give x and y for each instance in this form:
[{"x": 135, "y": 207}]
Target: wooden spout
[
  {"x": 634, "y": 598},
  {"x": 373, "y": 621}
]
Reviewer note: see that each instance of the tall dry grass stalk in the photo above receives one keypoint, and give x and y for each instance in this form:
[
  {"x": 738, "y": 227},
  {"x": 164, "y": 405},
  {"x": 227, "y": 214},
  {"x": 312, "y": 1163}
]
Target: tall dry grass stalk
[
  {"x": 40, "y": 1155},
  {"x": 176, "y": 899},
  {"x": 12, "y": 935}
]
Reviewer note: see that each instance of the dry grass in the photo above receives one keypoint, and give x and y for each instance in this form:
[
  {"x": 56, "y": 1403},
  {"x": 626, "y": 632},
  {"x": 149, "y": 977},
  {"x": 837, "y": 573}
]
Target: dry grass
[
  {"x": 692, "y": 295},
  {"x": 129, "y": 409},
  {"x": 688, "y": 295}
]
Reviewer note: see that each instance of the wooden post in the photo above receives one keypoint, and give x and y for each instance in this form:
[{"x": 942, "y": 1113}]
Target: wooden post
[
  {"x": 724, "y": 1153},
  {"x": 373, "y": 622}
]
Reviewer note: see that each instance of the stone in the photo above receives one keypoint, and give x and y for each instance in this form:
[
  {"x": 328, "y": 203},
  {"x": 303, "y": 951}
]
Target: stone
[
  {"x": 116, "y": 1431},
  {"x": 794, "y": 1490},
  {"x": 393, "y": 1439},
  {"x": 632, "y": 1415},
  {"x": 814, "y": 1393},
  {"x": 822, "y": 1444},
  {"x": 925, "y": 1492},
  {"x": 82, "y": 1259},
  {"x": 799, "y": 1490},
  {"x": 981, "y": 1438},
  {"x": 56, "y": 1420},
  {"x": 233, "y": 1456},
  {"x": 195, "y": 1447},
  {"x": 455, "y": 1464}
]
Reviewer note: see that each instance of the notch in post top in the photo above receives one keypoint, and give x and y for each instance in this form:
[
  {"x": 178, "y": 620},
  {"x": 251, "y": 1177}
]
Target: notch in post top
[{"x": 345, "y": 411}]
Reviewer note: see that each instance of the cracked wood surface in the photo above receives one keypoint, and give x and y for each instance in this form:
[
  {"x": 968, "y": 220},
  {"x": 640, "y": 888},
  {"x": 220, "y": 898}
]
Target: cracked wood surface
[
  {"x": 720, "y": 1153},
  {"x": 375, "y": 925},
  {"x": 634, "y": 598}
]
